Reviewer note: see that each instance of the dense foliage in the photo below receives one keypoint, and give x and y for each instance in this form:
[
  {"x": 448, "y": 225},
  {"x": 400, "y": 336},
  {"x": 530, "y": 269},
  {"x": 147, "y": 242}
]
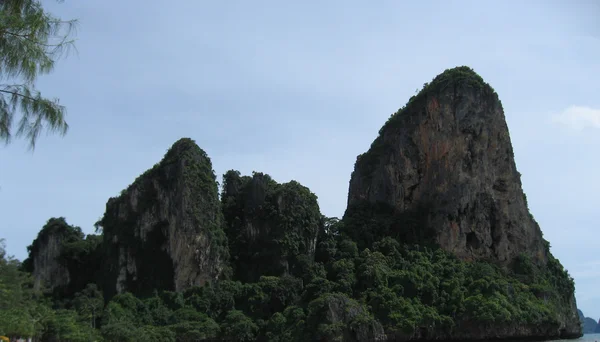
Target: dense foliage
[
  {"x": 293, "y": 274},
  {"x": 79, "y": 255},
  {"x": 56, "y": 228},
  {"x": 404, "y": 290},
  {"x": 27, "y": 313},
  {"x": 271, "y": 227}
]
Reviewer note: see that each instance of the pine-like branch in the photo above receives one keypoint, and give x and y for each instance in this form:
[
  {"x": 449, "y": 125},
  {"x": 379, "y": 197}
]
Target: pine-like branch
[
  {"x": 30, "y": 41},
  {"x": 35, "y": 111}
]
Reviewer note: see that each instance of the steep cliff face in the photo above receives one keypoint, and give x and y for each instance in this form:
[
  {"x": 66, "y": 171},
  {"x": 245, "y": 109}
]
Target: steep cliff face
[
  {"x": 165, "y": 230},
  {"x": 49, "y": 273},
  {"x": 272, "y": 228},
  {"x": 442, "y": 172},
  {"x": 448, "y": 153}
]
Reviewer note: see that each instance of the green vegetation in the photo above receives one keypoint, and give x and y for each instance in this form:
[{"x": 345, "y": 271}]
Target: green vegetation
[
  {"x": 25, "y": 312},
  {"x": 80, "y": 255},
  {"x": 286, "y": 272},
  {"x": 271, "y": 227},
  {"x": 186, "y": 174},
  {"x": 408, "y": 290},
  {"x": 57, "y": 228},
  {"x": 290, "y": 274},
  {"x": 31, "y": 40}
]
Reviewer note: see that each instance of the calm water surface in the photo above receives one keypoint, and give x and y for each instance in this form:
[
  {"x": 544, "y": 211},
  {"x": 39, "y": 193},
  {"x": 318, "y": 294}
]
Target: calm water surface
[{"x": 587, "y": 338}]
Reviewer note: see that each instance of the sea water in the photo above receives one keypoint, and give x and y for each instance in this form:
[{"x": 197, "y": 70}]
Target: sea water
[{"x": 586, "y": 338}]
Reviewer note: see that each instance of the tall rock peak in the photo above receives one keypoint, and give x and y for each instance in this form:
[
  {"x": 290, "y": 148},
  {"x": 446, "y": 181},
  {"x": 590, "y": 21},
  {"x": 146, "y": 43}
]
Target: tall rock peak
[
  {"x": 447, "y": 156},
  {"x": 165, "y": 230},
  {"x": 442, "y": 171}
]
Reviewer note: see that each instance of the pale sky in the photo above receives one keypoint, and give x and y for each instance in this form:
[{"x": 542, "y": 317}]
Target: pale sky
[{"x": 299, "y": 89}]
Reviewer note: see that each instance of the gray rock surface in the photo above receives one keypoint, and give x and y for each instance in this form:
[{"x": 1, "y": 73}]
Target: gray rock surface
[
  {"x": 450, "y": 150},
  {"x": 442, "y": 170},
  {"x": 346, "y": 319},
  {"x": 165, "y": 231},
  {"x": 48, "y": 273}
]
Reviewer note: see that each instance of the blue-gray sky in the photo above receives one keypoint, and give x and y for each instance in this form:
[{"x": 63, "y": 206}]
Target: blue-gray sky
[{"x": 299, "y": 89}]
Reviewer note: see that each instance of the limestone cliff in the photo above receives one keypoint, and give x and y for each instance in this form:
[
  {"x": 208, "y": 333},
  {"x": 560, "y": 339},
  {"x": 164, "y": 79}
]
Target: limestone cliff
[
  {"x": 49, "y": 273},
  {"x": 449, "y": 152},
  {"x": 165, "y": 230},
  {"x": 442, "y": 171},
  {"x": 272, "y": 228}
]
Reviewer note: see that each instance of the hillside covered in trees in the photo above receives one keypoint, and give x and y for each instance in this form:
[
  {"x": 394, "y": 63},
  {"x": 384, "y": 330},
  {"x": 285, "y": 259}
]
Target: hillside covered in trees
[{"x": 437, "y": 243}]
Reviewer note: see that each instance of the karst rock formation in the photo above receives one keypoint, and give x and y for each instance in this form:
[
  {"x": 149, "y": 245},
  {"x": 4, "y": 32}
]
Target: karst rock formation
[{"x": 165, "y": 231}]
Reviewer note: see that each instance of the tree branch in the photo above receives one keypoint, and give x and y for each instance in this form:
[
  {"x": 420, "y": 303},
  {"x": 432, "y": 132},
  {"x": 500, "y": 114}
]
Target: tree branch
[
  {"x": 31, "y": 40},
  {"x": 18, "y": 94}
]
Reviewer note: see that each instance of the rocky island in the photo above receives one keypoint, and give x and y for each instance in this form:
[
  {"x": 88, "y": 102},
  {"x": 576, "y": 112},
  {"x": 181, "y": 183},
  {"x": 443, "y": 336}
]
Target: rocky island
[
  {"x": 590, "y": 325},
  {"x": 437, "y": 243}
]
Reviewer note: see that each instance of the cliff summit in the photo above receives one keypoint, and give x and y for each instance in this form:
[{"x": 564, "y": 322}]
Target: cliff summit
[
  {"x": 165, "y": 230},
  {"x": 448, "y": 152}
]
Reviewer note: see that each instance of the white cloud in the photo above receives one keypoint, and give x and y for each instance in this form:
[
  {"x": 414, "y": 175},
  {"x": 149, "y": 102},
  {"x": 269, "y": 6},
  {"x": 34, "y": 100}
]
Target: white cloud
[{"x": 578, "y": 117}]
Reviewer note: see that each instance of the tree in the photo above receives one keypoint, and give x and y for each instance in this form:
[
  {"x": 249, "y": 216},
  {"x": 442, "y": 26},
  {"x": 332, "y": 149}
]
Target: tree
[
  {"x": 22, "y": 313},
  {"x": 89, "y": 303},
  {"x": 31, "y": 40}
]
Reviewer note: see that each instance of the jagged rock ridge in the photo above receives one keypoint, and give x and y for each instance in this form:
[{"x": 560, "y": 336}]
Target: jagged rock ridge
[
  {"x": 272, "y": 228},
  {"x": 165, "y": 230}
]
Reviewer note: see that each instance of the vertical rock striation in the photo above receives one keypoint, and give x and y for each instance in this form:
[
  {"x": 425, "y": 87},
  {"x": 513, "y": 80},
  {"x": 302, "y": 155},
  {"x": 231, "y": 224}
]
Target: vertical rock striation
[
  {"x": 49, "y": 273},
  {"x": 448, "y": 153},
  {"x": 165, "y": 230}
]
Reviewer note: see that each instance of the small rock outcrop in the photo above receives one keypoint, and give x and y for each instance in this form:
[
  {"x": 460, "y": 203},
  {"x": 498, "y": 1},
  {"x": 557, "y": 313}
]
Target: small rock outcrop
[
  {"x": 340, "y": 318},
  {"x": 49, "y": 273},
  {"x": 165, "y": 230},
  {"x": 271, "y": 228}
]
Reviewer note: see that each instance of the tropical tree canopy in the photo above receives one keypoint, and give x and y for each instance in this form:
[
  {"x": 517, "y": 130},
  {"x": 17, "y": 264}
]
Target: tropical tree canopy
[{"x": 31, "y": 40}]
